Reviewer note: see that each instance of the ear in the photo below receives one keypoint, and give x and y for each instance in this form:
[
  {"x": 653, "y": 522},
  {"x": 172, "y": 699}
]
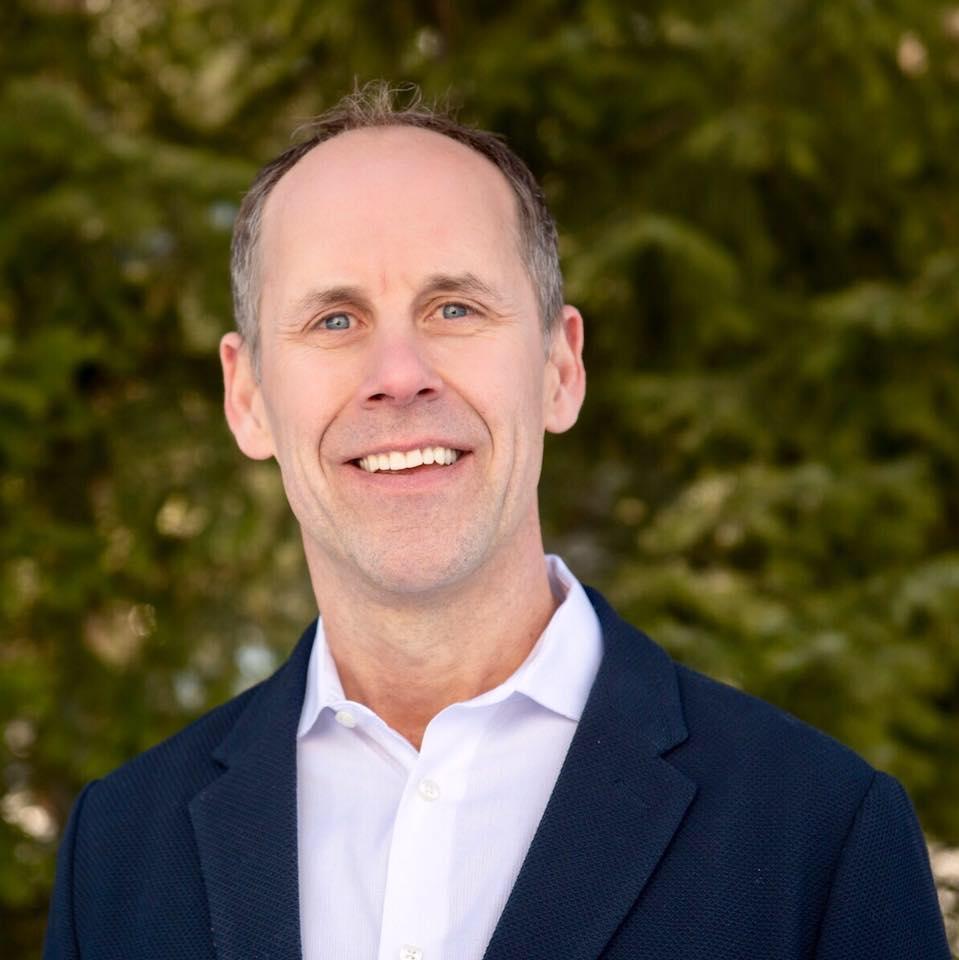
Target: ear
[
  {"x": 565, "y": 383},
  {"x": 242, "y": 400}
]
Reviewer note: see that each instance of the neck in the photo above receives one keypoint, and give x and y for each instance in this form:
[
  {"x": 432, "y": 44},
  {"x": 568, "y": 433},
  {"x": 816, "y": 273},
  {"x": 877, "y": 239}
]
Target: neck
[{"x": 408, "y": 659}]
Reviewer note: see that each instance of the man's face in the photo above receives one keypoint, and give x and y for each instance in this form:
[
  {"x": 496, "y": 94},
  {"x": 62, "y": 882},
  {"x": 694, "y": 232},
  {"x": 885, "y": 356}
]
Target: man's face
[{"x": 398, "y": 324}]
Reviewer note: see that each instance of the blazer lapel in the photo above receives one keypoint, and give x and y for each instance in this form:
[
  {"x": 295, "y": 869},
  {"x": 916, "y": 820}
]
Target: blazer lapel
[
  {"x": 246, "y": 824},
  {"x": 613, "y": 811}
]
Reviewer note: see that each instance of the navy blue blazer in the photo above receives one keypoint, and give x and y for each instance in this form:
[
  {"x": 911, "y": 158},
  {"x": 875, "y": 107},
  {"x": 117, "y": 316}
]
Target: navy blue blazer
[{"x": 689, "y": 821}]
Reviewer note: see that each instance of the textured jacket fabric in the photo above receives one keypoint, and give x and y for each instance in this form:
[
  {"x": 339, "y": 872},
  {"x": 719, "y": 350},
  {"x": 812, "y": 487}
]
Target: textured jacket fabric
[{"x": 689, "y": 822}]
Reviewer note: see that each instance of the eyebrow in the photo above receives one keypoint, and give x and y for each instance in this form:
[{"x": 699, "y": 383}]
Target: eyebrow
[
  {"x": 316, "y": 301},
  {"x": 466, "y": 283}
]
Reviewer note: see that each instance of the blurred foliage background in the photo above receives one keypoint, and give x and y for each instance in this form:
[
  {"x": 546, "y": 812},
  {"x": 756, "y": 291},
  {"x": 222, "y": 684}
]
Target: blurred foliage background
[{"x": 758, "y": 204}]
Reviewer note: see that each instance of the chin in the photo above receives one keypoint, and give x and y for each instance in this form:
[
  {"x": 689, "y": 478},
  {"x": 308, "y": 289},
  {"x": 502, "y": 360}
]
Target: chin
[{"x": 421, "y": 571}]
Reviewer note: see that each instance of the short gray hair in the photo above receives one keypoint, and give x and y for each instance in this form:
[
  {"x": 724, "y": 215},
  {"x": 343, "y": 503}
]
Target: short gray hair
[{"x": 376, "y": 105}]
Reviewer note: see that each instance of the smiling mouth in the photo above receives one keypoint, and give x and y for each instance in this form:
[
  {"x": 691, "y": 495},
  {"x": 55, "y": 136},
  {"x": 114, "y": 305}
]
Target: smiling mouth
[{"x": 394, "y": 460}]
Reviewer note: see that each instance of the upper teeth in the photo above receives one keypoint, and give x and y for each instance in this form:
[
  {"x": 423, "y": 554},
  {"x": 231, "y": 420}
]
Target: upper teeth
[{"x": 397, "y": 460}]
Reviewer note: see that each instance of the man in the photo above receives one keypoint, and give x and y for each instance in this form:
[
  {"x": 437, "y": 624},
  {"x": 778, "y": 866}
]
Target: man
[{"x": 467, "y": 756}]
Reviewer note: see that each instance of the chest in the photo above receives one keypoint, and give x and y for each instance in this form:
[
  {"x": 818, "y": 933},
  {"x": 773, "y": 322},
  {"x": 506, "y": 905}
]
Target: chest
[{"x": 406, "y": 854}]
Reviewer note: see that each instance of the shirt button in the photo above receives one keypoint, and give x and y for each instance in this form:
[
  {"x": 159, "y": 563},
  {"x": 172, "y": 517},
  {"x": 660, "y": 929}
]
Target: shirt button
[
  {"x": 429, "y": 789},
  {"x": 346, "y": 718},
  {"x": 410, "y": 953}
]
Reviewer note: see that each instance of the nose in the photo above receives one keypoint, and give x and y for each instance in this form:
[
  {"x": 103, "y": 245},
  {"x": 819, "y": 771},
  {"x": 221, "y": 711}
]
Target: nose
[{"x": 400, "y": 371}]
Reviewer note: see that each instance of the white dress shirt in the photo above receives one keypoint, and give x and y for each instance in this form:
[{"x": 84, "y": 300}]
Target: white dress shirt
[{"x": 412, "y": 856}]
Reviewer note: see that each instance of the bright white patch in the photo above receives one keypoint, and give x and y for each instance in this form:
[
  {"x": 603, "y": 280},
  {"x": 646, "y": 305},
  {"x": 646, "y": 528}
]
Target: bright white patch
[{"x": 397, "y": 460}]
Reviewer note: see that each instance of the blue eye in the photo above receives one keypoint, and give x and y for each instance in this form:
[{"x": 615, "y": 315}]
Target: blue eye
[
  {"x": 455, "y": 311},
  {"x": 336, "y": 321}
]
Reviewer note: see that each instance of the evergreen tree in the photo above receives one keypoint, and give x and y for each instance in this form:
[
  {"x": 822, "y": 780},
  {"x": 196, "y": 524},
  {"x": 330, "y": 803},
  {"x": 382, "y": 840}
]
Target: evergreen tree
[{"x": 757, "y": 205}]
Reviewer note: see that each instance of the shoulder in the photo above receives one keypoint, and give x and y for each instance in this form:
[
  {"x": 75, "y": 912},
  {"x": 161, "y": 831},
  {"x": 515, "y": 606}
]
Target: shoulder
[
  {"x": 712, "y": 727},
  {"x": 765, "y": 775},
  {"x": 709, "y": 727},
  {"x": 732, "y": 723},
  {"x": 757, "y": 769},
  {"x": 170, "y": 772},
  {"x": 789, "y": 837},
  {"x": 792, "y": 811}
]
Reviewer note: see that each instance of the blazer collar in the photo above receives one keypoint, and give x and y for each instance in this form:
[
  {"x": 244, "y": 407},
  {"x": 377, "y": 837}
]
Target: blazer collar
[
  {"x": 245, "y": 823},
  {"x": 613, "y": 811}
]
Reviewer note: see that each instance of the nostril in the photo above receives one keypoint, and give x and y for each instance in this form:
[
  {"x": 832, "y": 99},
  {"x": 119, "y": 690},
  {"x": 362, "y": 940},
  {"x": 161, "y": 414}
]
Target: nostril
[{"x": 402, "y": 398}]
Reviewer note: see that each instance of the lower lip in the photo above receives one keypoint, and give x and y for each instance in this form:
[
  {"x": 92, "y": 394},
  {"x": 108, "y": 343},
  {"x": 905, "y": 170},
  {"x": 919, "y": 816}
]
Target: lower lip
[{"x": 414, "y": 479}]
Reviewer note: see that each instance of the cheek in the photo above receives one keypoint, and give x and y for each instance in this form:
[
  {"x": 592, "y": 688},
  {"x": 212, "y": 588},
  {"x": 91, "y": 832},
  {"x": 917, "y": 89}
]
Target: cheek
[
  {"x": 307, "y": 390},
  {"x": 507, "y": 374},
  {"x": 297, "y": 421},
  {"x": 511, "y": 404}
]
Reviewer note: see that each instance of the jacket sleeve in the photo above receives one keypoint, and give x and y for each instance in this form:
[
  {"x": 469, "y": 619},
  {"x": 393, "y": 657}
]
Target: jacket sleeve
[
  {"x": 882, "y": 903},
  {"x": 61, "y": 939}
]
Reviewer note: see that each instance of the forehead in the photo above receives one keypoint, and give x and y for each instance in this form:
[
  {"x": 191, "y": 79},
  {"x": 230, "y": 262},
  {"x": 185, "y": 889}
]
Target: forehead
[{"x": 388, "y": 192}]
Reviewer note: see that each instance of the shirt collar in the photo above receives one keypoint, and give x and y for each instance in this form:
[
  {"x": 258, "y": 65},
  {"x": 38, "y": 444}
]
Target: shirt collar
[
  {"x": 560, "y": 670},
  {"x": 558, "y": 673}
]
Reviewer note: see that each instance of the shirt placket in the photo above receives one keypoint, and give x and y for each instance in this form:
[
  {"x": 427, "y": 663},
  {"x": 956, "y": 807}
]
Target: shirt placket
[{"x": 421, "y": 861}]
